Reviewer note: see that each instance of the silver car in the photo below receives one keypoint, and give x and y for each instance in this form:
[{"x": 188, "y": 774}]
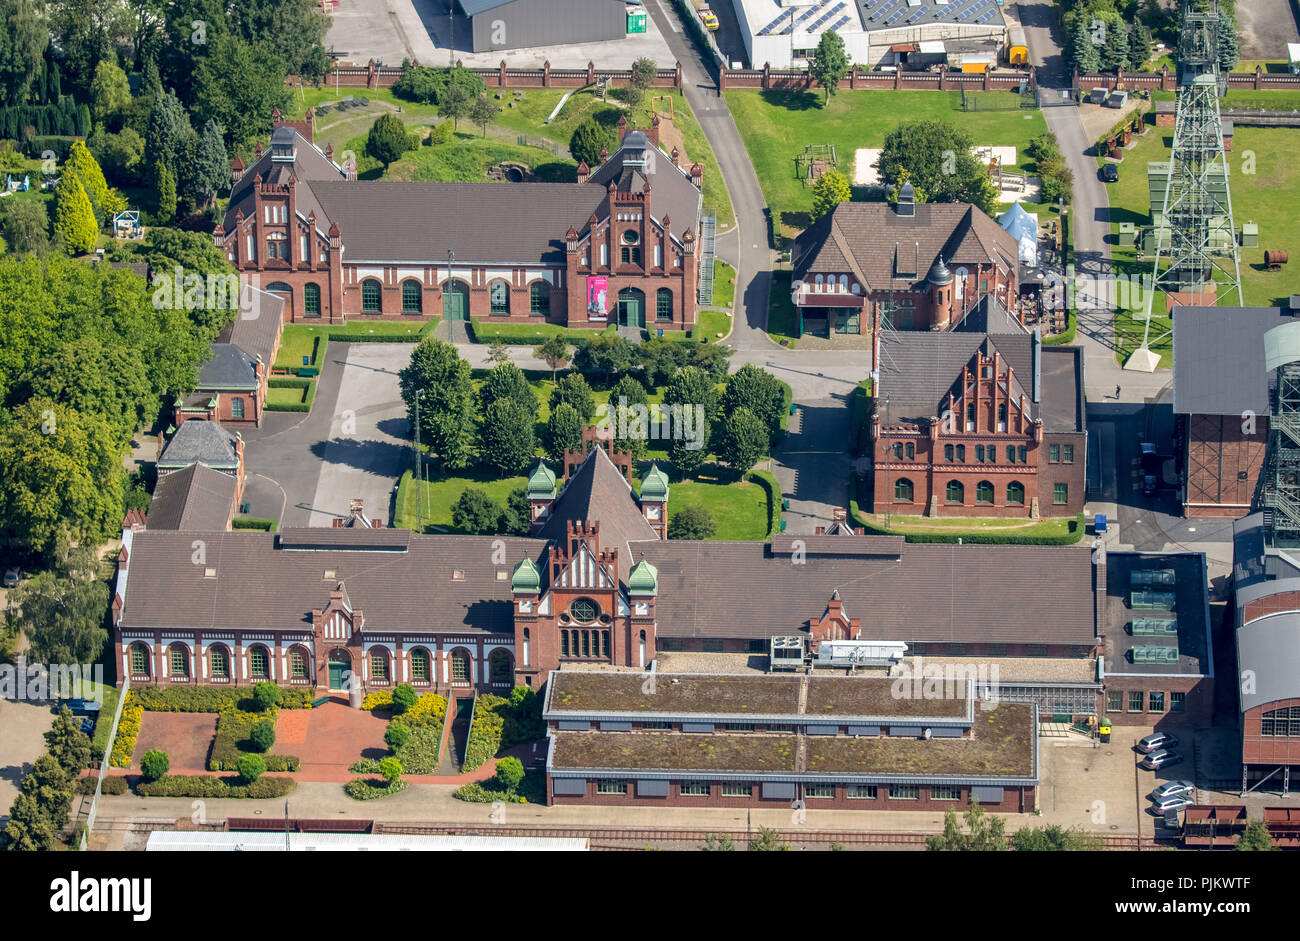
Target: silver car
[
  {"x": 1172, "y": 802},
  {"x": 1172, "y": 789}
]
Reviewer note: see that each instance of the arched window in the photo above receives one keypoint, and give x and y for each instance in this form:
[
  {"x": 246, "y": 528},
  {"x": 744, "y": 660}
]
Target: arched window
[
  {"x": 947, "y": 453},
  {"x": 898, "y": 450},
  {"x": 298, "y": 664},
  {"x": 219, "y": 663},
  {"x": 844, "y": 282},
  {"x": 539, "y": 299},
  {"x": 419, "y": 665},
  {"x": 961, "y": 454},
  {"x": 412, "y": 297},
  {"x": 902, "y": 490},
  {"x": 663, "y": 304},
  {"x": 370, "y": 294},
  {"x": 311, "y": 300},
  {"x": 140, "y": 660},
  {"x": 178, "y": 661},
  {"x": 378, "y": 664},
  {"x": 984, "y": 492},
  {"x": 259, "y": 662},
  {"x": 979, "y": 453},
  {"x": 1015, "y": 493},
  {"x": 499, "y": 667},
  {"x": 499, "y": 298},
  {"x": 460, "y": 666},
  {"x": 911, "y": 451},
  {"x": 956, "y": 493}
]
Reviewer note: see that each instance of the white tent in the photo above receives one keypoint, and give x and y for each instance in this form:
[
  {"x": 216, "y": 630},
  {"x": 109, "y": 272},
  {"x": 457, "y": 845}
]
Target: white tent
[{"x": 1023, "y": 226}]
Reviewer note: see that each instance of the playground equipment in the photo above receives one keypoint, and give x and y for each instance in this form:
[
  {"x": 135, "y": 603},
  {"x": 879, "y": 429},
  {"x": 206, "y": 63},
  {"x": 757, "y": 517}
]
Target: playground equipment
[{"x": 815, "y": 160}]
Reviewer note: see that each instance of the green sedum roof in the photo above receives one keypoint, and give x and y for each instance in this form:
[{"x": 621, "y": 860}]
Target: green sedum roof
[
  {"x": 643, "y": 579},
  {"x": 655, "y": 484},
  {"x": 542, "y": 482},
  {"x": 526, "y": 578}
]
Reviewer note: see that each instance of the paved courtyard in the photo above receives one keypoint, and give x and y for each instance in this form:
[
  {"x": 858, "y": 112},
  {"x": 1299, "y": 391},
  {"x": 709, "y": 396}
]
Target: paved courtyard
[{"x": 186, "y": 737}]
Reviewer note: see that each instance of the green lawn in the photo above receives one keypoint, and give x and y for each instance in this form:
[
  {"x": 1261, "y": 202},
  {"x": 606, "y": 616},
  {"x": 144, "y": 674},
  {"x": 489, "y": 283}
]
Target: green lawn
[
  {"x": 778, "y": 124},
  {"x": 298, "y": 339},
  {"x": 530, "y": 334},
  {"x": 724, "y": 285},
  {"x": 1265, "y": 197},
  {"x": 782, "y": 315},
  {"x": 712, "y": 325},
  {"x": 739, "y": 509},
  {"x": 439, "y": 495}
]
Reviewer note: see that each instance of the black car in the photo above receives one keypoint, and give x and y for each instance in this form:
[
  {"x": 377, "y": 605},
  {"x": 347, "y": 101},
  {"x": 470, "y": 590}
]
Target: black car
[{"x": 1109, "y": 173}]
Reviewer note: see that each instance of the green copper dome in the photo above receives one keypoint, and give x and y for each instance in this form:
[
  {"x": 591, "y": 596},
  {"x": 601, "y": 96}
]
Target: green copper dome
[
  {"x": 526, "y": 578},
  {"x": 655, "y": 484},
  {"x": 542, "y": 482},
  {"x": 643, "y": 579}
]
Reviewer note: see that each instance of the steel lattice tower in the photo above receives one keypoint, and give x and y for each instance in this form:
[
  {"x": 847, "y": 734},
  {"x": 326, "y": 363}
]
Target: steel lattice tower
[
  {"x": 1197, "y": 204},
  {"x": 1278, "y": 491}
]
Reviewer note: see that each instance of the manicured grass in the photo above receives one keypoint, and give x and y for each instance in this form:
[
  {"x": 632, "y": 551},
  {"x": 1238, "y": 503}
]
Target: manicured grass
[
  {"x": 465, "y": 159},
  {"x": 439, "y": 495},
  {"x": 530, "y": 334},
  {"x": 285, "y": 399},
  {"x": 778, "y": 125},
  {"x": 958, "y": 526},
  {"x": 739, "y": 509},
  {"x": 724, "y": 285},
  {"x": 711, "y": 324},
  {"x": 782, "y": 315},
  {"x": 299, "y": 339}
]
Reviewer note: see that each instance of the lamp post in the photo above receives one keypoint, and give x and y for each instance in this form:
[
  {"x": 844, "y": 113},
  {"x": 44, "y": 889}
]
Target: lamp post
[{"x": 451, "y": 33}]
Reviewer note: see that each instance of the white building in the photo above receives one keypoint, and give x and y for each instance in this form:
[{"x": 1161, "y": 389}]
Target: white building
[{"x": 783, "y": 33}]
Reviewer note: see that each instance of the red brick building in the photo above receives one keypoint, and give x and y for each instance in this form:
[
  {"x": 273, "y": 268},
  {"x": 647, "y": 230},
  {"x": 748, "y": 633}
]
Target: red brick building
[
  {"x": 977, "y": 424},
  {"x": 915, "y": 266},
  {"x": 619, "y": 245}
]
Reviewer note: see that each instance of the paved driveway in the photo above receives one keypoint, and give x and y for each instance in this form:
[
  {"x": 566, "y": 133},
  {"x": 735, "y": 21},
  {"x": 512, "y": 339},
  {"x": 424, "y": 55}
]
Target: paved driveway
[{"x": 22, "y": 729}]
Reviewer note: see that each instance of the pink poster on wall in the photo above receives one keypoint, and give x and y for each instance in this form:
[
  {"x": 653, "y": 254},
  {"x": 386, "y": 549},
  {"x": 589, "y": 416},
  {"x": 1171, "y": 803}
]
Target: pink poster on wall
[{"x": 597, "y": 297}]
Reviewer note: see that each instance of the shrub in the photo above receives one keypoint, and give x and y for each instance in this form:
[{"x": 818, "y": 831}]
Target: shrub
[
  {"x": 251, "y": 767},
  {"x": 154, "y": 764},
  {"x": 113, "y": 784},
  {"x": 419, "y": 755},
  {"x": 363, "y": 789},
  {"x": 267, "y": 695},
  {"x": 404, "y": 697},
  {"x": 391, "y": 769},
  {"x": 691, "y": 522},
  {"x": 396, "y": 735},
  {"x": 128, "y": 727},
  {"x": 263, "y": 735},
  {"x": 211, "y": 698},
  {"x": 485, "y": 731},
  {"x": 210, "y": 786},
  {"x": 531, "y": 790},
  {"x": 365, "y": 766},
  {"x": 510, "y": 772},
  {"x": 234, "y": 729},
  {"x": 380, "y": 700},
  {"x": 429, "y": 710}
]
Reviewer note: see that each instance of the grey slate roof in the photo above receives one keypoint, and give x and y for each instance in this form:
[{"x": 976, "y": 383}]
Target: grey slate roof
[
  {"x": 229, "y": 367},
  {"x": 310, "y": 166},
  {"x": 202, "y": 441},
  {"x": 672, "y": 193},
  {"x": 1061, "y": 403},
  {"x": 1219, "y": 359},
  {"x": 194, "y": 499},
  {"x": 475, "y": 7},
  {"x": 256, "y": 326},
  {"x": 918, "y": 368},
  {"x": 989, "y": 316}
]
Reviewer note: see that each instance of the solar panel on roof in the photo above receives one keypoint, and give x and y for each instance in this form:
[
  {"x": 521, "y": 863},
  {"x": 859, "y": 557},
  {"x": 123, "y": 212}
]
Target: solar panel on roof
[
  {"x": 826, "y": 16},
  {"x": 840, "y": 23},
  {"x": 783, "y": 18}
]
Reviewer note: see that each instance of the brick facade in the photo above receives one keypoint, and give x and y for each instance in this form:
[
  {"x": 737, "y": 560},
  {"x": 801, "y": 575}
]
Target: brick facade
[{"x": 1222, "y": 464}]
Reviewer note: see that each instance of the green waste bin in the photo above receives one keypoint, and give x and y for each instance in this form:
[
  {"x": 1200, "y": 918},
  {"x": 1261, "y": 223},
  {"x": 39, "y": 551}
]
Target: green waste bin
[
  {"x": 785, "y": 503},
  {"x": 782, "y": 525},
  {"x": 636, "y": 21},
  {"x": 792, "y": 408}
]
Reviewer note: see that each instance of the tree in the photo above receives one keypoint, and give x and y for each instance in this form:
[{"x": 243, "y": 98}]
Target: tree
[
  {"x": 507, "y": 439},
  {"x": 743, "y": 441},
  {"x": 74, "y": 219},
  {"x": 574, "y": 390},
  {"x": 1229, "y": 52},
  {"x": 659, "y": 359},
  {"x": 510, "y": 773},
  {"x": 721, "y": 843},
  {"x": 483, "y": 112},
  {"x": 404, "y": 697},
  {"x": 441, "y": 379},
  {"x": 29, "y": 829},
  {"x": 164, "y": 187},
  {"x": 692, "y": 387},
  {"x": 475, "y": 512},
  {"x": 238, "y": 84},
  {"x": 506, "y": 381},
  {"x": 53, "y": 788},
  {"x": 104, "y": 202},
  {"x": 387, "y": 140},
  {"x": 262, "y": 735},
  {"x": 267, "y": 695},
  {"x": 829, "y": 63},
  {"x": 606, "y": 354},
  {"x": 1083, "y": 53},
  {"x": 983, "y": 833},
  {"x": 119, "y": 154},
  {"x": 25, "y": 226},
  {"x": 563, "y": 431},
  {"x": 62, "y": 614},
  {"x": 589, "y": 139},
  {"x": 644, "y": 73},
  {"x": 831, "y": 189},
  {"x": 154, "y": 764},
  {"x": 455, "y": 104},
  {"x": 1055, "y": 838},
  {"x": 168, "y": 128},
  {"x": 758, "y": 391},
  {"x": 498, "y": 352},
  {"x": 60, "y": 474},
  {"x": 65, "y": 741},
  {"x": 1255, "y": 838},
  {"x": 630, "y": 432},
  {"x": 1114, "y": 51},
  {"x": 23, "y": 41},
  {"x": 396, "y": 735},
  {"x": 768, "y": 840},
  {"x": 211, "y": 165},
  {"x": 554, "y": 352},
  {"x": 518, "y": 517},
  {"x": 391, "y": 769},
  {"x": 250, "y": 768},
  {"x": 110, "y": 93},
  {"x": 691, "y": 522},
  {"x": 936, "y": 158},
  {"x": 1139, "y": 46}
]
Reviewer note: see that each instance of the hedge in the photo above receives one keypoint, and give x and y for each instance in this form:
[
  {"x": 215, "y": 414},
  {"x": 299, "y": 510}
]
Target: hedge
[
  {"x": 526, "y": 334},
  {"x": 203, "y": 785},
  {"x": 341, "y": 336},
  {"x": 234, "y": 726},
  {"x": 113, "y": 784},
  {"x": 767, "y": 480},
  {"x": 531, "y": 791},
  {"x": 366, "y": 789},
  {"x": 485, "y": 731},
  {"x": 285, "y": 382},
  {"x": 213, "y": 698},
  {"x": 99, "y": 743},
  {"x": 252, "y": 522},
  {"x": 419, "y": 755},
  {"x": 1076, "y": 531},
  {"x": 1066, "y": 338},
  {"x": 128, "y": 729}
]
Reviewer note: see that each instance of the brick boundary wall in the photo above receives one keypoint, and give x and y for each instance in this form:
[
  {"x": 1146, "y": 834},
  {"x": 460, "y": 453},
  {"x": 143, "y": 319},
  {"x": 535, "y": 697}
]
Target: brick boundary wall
[
  {"x": 346, "y": 75},
  {"x": 1164, "y": 80}
]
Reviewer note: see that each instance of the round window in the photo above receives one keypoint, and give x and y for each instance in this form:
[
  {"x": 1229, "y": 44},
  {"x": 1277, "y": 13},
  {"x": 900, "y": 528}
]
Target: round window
[
  {"x": 584, "y": 610},
  {"x": 631, "y": 237}
]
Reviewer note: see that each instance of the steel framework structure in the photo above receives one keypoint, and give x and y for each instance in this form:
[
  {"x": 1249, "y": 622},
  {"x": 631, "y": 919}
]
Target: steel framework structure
[{"x": 1278, "y": 490}]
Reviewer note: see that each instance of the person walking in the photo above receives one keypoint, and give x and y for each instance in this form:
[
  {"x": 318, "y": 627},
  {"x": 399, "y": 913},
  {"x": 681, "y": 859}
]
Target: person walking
[{"x": 1117, "y": 392}]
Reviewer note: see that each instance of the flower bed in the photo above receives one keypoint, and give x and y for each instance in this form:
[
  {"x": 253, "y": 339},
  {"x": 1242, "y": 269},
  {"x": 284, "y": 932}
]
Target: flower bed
[
  {"x": 128, "y": 729},
  {"x": 213, "y": 698},
  {"x": 234, "y": 726},
  {"x": 203, "y": 785},
  {"x": 367, "y": 789}
]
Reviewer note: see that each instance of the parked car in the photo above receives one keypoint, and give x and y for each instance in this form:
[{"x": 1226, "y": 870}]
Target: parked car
[
  {"x": 12, "y": 575},
  {"x": 1160, "y": 759},
  {"x": 1150, "y": 484},
  {"x": 1171, "y": 789},
  {"x": 710, "y": 20},
  {"x": 1172, "y": 802},
  {"x": 1156, "y": 741},
  {"x": 79, "y": 707},
  {"x": 1110, "y": 173}
]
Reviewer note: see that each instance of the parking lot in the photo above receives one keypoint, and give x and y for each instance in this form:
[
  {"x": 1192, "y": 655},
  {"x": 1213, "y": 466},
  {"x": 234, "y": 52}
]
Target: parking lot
[{"x": 393, "y": 30}]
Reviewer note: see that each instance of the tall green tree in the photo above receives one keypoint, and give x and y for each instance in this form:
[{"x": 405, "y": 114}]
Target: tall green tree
[
  {"x": 936, "y": 157},
  {"x": 743, "y": 440},
  {"x": 475, "y": 512},
  {"x": 29, "y": 829},
  {"x": 105, "y": 202},
  {"x": 982, "y": 833},
  {"x": 1229, "y": 50},
  {"x": 25, "y": 225},
  {"x": 759, "y": 392},
  {"x": 554, "y": 352},
  {"x": 829, "y": 63},
  {"x": 606, "y": 354},
  {"x": 507, "y": 439},
  {"x": 74, "y": 217},
  {"x": 24, "y": 36},
  {"x": 628, "y": 393},
  {"x": 211, "y": 165},
  {"x": 574, "y": 390},
  {"x": 164, "y": 188},
  {"x": 239, "y": 84},
  {"x": 563, "y": 431},
  {"x": 1139, "y": 46},
  {"x": 588, "y": 139},
  {"x": 67, "y": 744},
  {"x": 1082, "y": 52},
  {"x": 83, "y": 31},
  {"x": 831, "y": 189},
  {"x": 1255, "y": 838},
  {"x": 455, "y": 103},
  {"x": 388, "y": 140},
  {"x": 441, "y": 379},
  {"x": 483, "y": 112},
  {"x": 168, "y": 127},
  {"x": 689, "y": 388},
  {"x": 506, "y": 381},
  {"x": 1114, "y": 52}
]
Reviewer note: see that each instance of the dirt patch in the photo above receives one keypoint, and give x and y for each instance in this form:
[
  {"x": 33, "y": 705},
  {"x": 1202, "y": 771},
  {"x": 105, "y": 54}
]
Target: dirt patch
[{"x": 185, "y": 736}]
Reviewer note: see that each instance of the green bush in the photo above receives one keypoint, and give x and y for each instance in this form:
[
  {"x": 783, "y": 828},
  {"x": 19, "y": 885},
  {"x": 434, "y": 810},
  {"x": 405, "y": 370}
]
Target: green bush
[
  {"x": 263, "y": 735},
  {"x": 484, "y": 732},
  {"x": 154, "y": 764},
  {"x": 250, "y": 768},
  {"x": 252, "y": 522},
  {"x": 391, "y": 769},
  {"x": 396, "y": 735},
  {"x": 532, "y": 790},
  {"x": 365, "y": 766},
  {"x": 128, "y": 728},
  {"x": 510, "y": 773},
  {"x": 210, "y": 786},
  {"x": 419, "y": 754},
  {"x": 363, "y": 789},
  {"x": 267, "y": 695},
  {"x": 234, "y": 734},
  {"x": 772, "y": 489},
  {"x": 113, "y": 784},
  {"x": 404, "y": 697},
  {"x": 212, "y": 698}
]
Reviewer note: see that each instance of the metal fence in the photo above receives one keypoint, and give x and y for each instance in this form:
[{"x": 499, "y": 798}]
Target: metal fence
[{"x": 103, "y": 764}]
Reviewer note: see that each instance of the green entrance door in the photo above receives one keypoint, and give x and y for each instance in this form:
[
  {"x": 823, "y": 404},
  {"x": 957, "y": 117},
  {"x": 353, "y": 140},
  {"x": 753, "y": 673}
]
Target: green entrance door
[
  {"x": 336, "y": 674},
  {"x": 455, "y": 300},
  {"x": 631, "y": 308}
]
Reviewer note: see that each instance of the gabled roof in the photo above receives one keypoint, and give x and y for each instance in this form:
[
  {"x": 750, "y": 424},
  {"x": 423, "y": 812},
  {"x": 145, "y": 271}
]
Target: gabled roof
[
  {"x": 310, "y": 165},
  {"x": 194, "y": 499},
  {"x": 672, "y": 194},
  {"x": 257, "y": 323},
  {"x": 203, "y": 441},
  {"x": 989, "y": 316},
  {"x": 918, "y": 368},
  {"x": 597, "y": 492},
  {"x": 229, "y": 367}
]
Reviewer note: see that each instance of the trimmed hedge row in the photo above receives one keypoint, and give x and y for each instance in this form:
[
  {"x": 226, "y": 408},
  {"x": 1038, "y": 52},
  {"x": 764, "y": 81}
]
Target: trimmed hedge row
[
  {"x": 202, "y": 785},
  {"x": 235, "y": 726},
  {"x": 283, "y": 382},
  {"x": 342, "y": 336},
  {"x": 772, "y": 488},
  {"x": 1077, "y": 527},
  {"x": 212, "y": 698},
  {"x": 114, "y": 784},
  {"x": 252, "y": 522}
]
